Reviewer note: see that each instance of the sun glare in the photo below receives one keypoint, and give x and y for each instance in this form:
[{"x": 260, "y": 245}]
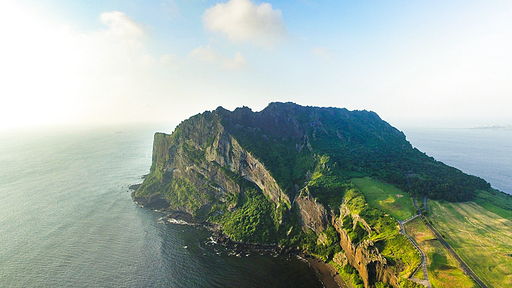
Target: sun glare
[{"x": 39, "y": 69}]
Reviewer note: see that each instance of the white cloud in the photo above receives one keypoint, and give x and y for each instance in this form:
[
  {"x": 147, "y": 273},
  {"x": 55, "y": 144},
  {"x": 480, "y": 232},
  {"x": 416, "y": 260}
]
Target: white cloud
[
  {"x": 38, "y": 65},
  {"x": 207, "y": 54},
  {"x": 53, "y": 74},
  {"x": 322, "y": 52},
  {"x": 121, "y": 42},
  {"x": 147, "y": 60},
  {"x": 120, "y": 25},
  {"x": 169, "y": 60},
  {"x": 237, "y": 63},
  {"x": 243, "y": 21},
  {"x": 57, "y": 75}
]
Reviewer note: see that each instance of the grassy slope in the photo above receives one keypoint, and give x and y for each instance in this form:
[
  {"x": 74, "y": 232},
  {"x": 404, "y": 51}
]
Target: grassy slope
[
  {"x": 482, "y": 238},
  {"x": 496, "y": 202},
  {"x": 391, "y": 243},
  {"x": 386, "y": 197},
  {"x": 442, "y": 268},
  {"x": 480, "y": 231}
]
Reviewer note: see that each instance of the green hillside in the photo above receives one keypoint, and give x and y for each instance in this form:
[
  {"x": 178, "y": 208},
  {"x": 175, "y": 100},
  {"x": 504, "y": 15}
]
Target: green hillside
[{"x": 327, "y": 181}]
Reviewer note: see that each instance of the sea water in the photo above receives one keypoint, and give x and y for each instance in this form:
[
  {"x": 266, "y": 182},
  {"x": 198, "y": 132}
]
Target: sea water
[
  {"x": 67, "y": 220},
  {"x": 486, "y": 153}
]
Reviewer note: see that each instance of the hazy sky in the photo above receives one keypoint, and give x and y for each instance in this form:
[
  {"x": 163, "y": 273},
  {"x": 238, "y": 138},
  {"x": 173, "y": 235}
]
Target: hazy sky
[{"x": 430, "y": 62}]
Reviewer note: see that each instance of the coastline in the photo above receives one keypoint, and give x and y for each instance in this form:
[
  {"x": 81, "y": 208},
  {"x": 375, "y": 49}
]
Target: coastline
[{"x": 326, "y": 273}]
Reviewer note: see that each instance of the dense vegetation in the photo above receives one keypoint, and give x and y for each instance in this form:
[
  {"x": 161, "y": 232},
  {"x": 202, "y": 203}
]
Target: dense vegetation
[
  {"x": 254, "y": 218},
  {"x": 292, "y": 140},
  {"x": 358, "y": 143},
  {"x": 253, "y": 221},
  {"x": 310, "y": 152}
]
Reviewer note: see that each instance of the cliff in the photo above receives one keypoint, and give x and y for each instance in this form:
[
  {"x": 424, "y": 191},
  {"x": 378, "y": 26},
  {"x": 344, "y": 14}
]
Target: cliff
[
  {"x": 200, "y": 164},
  {"x": 374, "y": 247},
  {"x": 282, "y": 175}
]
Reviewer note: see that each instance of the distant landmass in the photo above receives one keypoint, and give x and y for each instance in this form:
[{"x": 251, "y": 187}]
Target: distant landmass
[
  {"x": 342, "y": 186},
  {"x": 496, "y": 127}
]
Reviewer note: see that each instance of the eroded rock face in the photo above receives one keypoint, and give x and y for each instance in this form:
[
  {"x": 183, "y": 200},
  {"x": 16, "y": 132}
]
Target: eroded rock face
[
  {"x": 313, "y": 215},
  {"x": 210, "y": 160},
  {"x": 203, "y": 163},
  {"x": 340, "y": 258},
  {"x": 254, "y": 171},
  {"x": 364, "y": 256}
]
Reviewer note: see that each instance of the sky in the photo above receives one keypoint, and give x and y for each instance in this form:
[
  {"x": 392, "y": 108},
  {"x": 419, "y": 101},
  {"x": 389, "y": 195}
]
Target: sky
[{"x": 425, "y": 63}]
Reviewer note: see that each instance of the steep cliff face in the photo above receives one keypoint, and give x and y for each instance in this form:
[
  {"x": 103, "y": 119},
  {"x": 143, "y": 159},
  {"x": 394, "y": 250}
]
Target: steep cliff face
[
  {"x": 364, "y": 256},
  {"x": 313, "y": 215},
  {"x": 201, "y": 164},
  {"x": 372, "y": 243},
  {"x": 284, "y": 175}
]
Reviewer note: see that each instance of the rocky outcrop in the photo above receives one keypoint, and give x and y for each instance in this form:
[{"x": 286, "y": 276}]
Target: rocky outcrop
[
  {"x": 364, "y": 256},
  {"x": 313, "y": 215},
  {"x": 340, "y": 258},
  {"x": 209, "y": 161},
  {"x": 213, "y": 162}
]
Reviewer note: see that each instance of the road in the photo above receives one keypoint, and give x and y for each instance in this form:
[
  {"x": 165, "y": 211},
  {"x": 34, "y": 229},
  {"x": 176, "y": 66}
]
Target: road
[
  {"x": 465, "y": 268},
  {"x": 423, "y": 263}
]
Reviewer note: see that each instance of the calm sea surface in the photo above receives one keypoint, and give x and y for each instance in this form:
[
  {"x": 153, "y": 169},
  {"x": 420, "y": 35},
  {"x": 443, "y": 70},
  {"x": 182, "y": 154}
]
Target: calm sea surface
[
  {"x": 486, "y": 153},
  {"x": 67, "y": 220}
]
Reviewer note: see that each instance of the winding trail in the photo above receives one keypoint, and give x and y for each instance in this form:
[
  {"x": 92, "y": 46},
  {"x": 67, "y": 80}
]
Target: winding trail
[
  {"x": 423, "y": 264},
  {"x": 465, "y": 268}
]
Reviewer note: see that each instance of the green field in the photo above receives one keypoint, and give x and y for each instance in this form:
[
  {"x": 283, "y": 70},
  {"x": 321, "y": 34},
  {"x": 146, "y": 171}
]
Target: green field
[
  {"x": 482, "y": 238},
  {"x": 442, "y": 268},
  {"x": 496, "y": 202},
  {"x": 386, "y": 197}
]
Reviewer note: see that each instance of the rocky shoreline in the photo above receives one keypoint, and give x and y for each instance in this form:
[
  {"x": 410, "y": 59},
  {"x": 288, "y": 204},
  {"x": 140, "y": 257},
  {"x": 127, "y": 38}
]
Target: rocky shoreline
[{"x": 325, "y": 272}]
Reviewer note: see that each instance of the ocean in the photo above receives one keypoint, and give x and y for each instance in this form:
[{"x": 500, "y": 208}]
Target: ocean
[
  {"x": 486, "y": 153},
  {"x": 67, "y": 218}
]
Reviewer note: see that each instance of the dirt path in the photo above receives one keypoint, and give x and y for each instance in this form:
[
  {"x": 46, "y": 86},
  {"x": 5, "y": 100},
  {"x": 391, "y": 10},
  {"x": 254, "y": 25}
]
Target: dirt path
[{"x": 423, "y": 264}]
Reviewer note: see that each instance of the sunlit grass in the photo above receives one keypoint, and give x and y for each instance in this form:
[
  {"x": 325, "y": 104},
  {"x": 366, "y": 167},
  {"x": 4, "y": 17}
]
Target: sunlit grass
[
  {"x": 386, "y": 197},
  {"x": 482, "y": 238},
  {"x": 442, "y": 268}
]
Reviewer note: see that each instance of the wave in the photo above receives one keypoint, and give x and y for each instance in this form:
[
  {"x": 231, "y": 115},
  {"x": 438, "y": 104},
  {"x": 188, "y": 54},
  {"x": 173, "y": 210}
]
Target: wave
[{"x": 179, "y": 222}]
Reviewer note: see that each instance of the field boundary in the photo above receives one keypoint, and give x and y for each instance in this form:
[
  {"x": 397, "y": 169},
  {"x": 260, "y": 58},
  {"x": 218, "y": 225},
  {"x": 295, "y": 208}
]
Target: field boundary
[
  {"x": 465, "y": 267},
  {"x": 423, "y": 264}
]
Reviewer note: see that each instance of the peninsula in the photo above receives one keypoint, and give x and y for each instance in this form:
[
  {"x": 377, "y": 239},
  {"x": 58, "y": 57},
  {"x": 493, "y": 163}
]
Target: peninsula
[{"x": 336, "y": 184}]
